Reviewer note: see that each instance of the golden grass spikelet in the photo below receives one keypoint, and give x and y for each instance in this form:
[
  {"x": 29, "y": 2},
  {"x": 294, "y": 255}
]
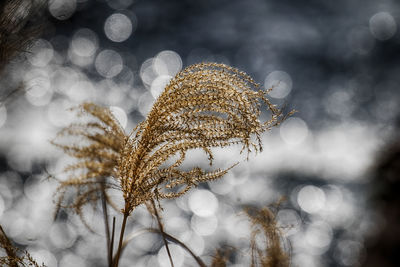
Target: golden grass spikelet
[
  {"x": 205, "y": 106},
  {"x": 264, "y": 224}
]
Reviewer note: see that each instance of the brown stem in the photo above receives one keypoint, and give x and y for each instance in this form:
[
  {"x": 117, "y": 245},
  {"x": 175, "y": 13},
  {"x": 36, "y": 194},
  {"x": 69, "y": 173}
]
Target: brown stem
[
  {"x": 167, "y": 236},
  {"x": 161, "y": 227},
  {"x": 111, "y": 248},
  {"x": 180, "y": 243},
  {"x": 121, "y": 237},
  {"x": 106, "y": 225}
]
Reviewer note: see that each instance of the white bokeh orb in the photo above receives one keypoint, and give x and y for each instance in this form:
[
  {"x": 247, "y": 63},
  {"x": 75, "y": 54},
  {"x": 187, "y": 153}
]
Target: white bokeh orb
[
  {"x": 382, "y": 26},
  {"x": 294, "y": 131},
  {"x": 108, "y": 63},
  {"x": 84, "y": 42},
  {"x": 62, "y": 9},
  {"x": 203, "y": 203},
  {"x": 311, "y": 199},
  {"x": 167, "y": 63},
  {"x": 280, "y": 82},
  {"x": 118, "y": 27},
  {"x": 40, "y": 53}
]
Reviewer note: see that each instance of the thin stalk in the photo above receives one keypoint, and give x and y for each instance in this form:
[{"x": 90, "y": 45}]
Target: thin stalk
[
  {"x": 121, "y": 237},
  {"x": 106, "y": 225},
  {"x": 161, "y": 227},
  {"x": 167, "y": 236},
  {"x": 180, "y": 243},
  {"x": 111, "y": 248}
]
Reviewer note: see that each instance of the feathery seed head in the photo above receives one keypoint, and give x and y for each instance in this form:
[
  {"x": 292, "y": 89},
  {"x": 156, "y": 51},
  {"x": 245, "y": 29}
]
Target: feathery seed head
[{"x": 205, "y": 106}]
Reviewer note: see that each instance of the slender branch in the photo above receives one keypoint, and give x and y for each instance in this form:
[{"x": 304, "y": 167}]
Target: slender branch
[
  {"x": 180, "y": 243},
  {"x": 106, "y": 225},
  {"x": 167, "y": 236},
  {"x": 111, "y": 248},
  {"x": 161, "y": 227},
  {"x": 121, "y": 237}
]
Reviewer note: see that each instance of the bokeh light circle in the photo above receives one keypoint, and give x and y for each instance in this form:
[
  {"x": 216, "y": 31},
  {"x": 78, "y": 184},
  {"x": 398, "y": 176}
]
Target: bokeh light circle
[
  {"x": 167, "y": 63},
  {"x": 62, "y": 9},
  {"x": 118, "y": 27},
  {"x": 311, "y": 199},
  {"x": 84, "y": 42},
  {"x": 108, "y": 63},
  {"x": 147, "y": 72},
  {"x": 382, "y": 26},
  {"x": 40, "y": 53},
  {"x": 280, "y": 81},
  {"x": 294, "y": 131},
  {"x": 203, "y": 203}
]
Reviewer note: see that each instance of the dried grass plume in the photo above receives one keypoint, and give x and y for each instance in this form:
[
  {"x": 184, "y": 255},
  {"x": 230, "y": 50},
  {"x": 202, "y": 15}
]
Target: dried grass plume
[{"x": 204, "y": 106}]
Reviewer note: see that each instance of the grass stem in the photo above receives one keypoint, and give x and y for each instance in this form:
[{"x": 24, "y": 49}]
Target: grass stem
[
  {"x": 121, "y": 237},
  {"x": 106, "y": 225}
]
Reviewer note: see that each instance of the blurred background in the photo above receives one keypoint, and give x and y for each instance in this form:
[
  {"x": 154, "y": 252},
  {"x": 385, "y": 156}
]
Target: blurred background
[{"x": 335, "y": 62}]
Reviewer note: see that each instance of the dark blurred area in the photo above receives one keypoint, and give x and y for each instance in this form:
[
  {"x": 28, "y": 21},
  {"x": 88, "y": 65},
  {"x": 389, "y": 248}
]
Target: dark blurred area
[
  {"x": 335, "y": 62},
  {"x": 381, "y": 249}
]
